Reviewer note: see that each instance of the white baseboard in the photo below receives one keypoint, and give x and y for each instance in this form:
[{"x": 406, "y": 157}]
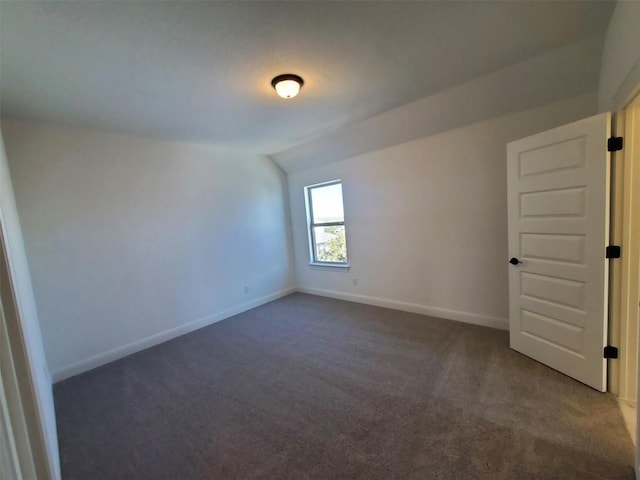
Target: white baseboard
[
  {"x": 458, "y": 316},
  {"x": 120, "y": 352}
]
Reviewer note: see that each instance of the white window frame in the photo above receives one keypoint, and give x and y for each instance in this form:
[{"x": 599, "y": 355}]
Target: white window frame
[{"x": 310, "y": 226}]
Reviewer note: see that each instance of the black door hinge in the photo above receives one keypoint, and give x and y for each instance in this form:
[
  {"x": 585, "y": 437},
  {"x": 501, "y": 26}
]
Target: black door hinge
[
  {"x": 614, "y": 144},
  {"x": 612, "y": 251},
  {"x": 610, "y": 352}
]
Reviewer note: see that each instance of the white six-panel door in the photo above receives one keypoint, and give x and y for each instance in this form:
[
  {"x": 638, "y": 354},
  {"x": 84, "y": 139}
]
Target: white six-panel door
[{"x": 558, "y": 202}]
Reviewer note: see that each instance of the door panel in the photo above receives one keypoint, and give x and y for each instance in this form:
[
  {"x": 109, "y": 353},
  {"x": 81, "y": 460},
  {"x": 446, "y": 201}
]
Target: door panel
[
  {"x": 553, "y": 247},
  {"x": 558, "y": 193}
]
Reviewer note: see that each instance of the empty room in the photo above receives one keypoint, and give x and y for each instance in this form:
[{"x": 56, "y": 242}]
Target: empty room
[{"x": 319, "y": 240}]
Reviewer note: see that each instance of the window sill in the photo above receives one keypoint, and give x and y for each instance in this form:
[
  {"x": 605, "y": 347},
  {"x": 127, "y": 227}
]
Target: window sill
[{"x": 330, "y": 266}]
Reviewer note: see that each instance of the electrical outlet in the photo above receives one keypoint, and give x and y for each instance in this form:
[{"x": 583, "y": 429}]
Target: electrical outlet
[
  {"x": 355, "y": 282},
  {"x": 246, "y": 289}
]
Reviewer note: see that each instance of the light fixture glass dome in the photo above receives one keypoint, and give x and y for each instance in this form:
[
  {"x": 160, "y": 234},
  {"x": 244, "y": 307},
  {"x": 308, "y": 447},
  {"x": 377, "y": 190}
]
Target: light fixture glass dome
[{"x": 287, "y": 85}]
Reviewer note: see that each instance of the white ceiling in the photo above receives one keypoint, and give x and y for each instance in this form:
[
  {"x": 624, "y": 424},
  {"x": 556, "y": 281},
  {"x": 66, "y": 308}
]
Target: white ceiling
[{"x": 201, "y": 71}]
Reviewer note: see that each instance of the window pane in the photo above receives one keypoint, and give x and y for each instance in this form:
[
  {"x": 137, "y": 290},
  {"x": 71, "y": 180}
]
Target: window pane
[
  {"x": 331, "y": 245},
  {"x": 326, "y": 204}
]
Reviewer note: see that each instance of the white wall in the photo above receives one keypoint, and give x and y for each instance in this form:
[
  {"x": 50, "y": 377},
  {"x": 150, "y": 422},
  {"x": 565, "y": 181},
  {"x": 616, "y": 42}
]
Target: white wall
[
  {"x": 28, "y": 315},
  {"x": 620, "y": 69},
  {"x": 427, "y": 220},
  {"x": 132, "y": 241}
]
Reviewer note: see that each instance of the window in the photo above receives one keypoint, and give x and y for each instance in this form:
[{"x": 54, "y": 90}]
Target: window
[{"x": 325, "y": 216}]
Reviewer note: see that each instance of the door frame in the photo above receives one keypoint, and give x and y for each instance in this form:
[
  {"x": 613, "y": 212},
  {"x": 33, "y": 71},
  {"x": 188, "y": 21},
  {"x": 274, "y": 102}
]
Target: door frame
[
  {"x": 15, "y": 420},
  {"x": 627, "y": 309},
  {"x": 625, "y": 276},
  {"x": 21, "y": 422},
  {"x": 9, "y": 444}
]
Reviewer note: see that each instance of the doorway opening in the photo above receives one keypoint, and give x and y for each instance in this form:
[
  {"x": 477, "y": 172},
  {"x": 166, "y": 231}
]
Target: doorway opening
[{"x": 625, "y": 273}]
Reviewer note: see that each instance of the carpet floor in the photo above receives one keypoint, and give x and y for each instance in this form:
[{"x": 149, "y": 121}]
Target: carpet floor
[{"x": 313, "y": 388}]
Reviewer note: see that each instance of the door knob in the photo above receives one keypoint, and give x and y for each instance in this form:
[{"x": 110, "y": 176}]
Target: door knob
[{"x": 514, "y": 261}]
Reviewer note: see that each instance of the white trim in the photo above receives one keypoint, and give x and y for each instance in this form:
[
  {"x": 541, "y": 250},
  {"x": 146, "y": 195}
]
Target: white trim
[
  {"x": 11, "y": 419},
  {"x": 120, "y": 352},
  {"x": 311, "y": 225},
  {"x": 324, "y": 184},
  {"x": 329, "y": 266},
  {"x": 31, "y": 413},
  {"x": 456, "y": 315}
]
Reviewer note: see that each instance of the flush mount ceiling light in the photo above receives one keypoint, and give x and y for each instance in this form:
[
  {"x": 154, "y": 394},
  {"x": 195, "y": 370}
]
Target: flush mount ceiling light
[{"x": 287, "y": 85}]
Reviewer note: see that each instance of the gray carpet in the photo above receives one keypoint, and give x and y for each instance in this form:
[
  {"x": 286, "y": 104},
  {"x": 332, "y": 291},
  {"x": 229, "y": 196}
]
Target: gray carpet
[{"x": 311, "y": 388}]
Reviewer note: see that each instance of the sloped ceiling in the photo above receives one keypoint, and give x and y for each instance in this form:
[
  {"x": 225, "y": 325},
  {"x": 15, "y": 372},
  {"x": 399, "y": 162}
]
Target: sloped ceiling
[
  {"x": 564, "y": 73},
  {"x": 201, "y": 71}
]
